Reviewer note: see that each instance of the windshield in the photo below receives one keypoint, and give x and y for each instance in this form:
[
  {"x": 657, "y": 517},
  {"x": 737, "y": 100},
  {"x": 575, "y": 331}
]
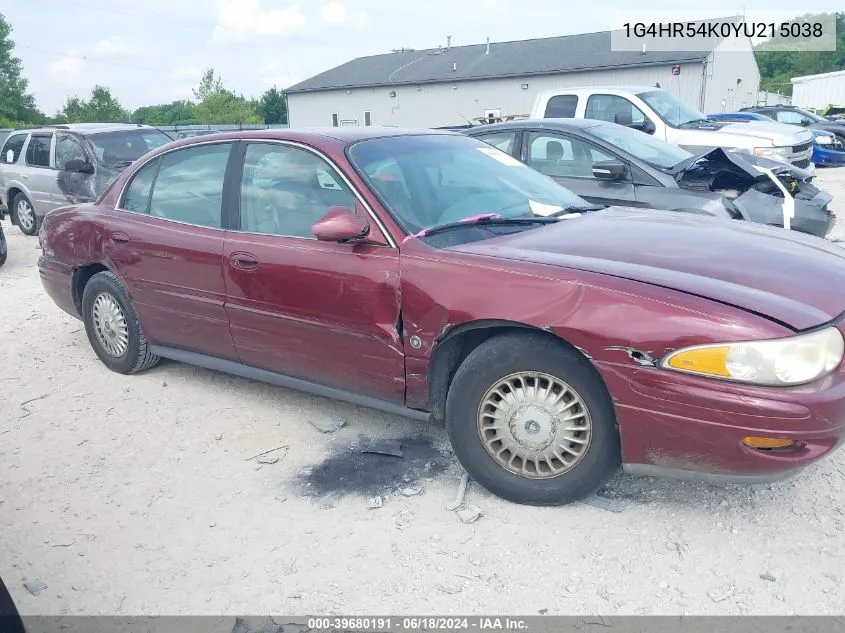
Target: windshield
[
  {"x": 645, "y": 147},
  {"x": 672, "y": 110},
  {"x": 430, "y": 180},
  {"x": 811, "y": 116},
  {"x": 124, "y": 147}
]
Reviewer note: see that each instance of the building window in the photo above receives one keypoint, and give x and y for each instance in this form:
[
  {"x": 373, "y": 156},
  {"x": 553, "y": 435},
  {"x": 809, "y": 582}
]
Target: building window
[
  {"x": 368, "y": 117},
  {"x": 334, "y": 120}
]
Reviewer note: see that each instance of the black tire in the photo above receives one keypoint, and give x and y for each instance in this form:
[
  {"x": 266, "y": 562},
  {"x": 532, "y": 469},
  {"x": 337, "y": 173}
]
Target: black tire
[
  {"x": 137, "y": 356},
  {"x": 4, "y": 249},
  {"x": 510, "y": 353},
  {"x": 36, "y": 223}
]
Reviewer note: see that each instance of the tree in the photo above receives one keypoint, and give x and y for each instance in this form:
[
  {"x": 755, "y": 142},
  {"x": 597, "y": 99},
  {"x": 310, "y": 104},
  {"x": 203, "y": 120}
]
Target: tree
[
  {"x": 777, "y": 68},
  {"x": 175, "y": 113},
  {"x": 17, "y": 106},
  {"x": 274, "y": 106},
  {"x": 209, "y": 84},
  {"x": 102, "y": 107},
  {"x": 226, "y": 107}
]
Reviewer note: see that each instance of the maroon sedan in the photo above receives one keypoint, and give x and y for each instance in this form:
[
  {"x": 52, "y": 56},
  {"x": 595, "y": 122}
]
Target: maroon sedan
[{"x": 431, "y": 275}]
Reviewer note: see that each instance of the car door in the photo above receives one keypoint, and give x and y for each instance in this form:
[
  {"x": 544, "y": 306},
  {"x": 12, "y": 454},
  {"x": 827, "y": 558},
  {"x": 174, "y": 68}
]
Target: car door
[
  {"x": 11, "y": 164},
  {"x": 165, "y": 241},
  {"x": 325, "y": 312},
  {"x": 38, "y": 173},
  {"x": 74, "y": 187},
  {"x": 569, "y": 160}
]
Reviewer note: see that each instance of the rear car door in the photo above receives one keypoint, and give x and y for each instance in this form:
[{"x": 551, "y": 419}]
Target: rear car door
[
  {"x": 325, "y": 312},
  {"x": 569, "y": 160},
  {"x": 39, "y": 174},
  {"x": 165, "y": 241},
  {"x": 10, "y": 165}
]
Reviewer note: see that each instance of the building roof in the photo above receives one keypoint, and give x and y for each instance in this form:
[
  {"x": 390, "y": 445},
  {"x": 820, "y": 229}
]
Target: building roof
[
  {"x": 523, "y": 58},
  {"x": 798, "y": 80}
]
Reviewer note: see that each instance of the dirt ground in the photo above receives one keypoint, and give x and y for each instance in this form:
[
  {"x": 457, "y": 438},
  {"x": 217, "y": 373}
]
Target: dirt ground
[{"x": 136, "y": 495}]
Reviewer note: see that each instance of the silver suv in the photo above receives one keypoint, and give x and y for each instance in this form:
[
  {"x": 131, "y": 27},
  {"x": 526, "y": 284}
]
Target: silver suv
[{"x": 49, "y": 167}]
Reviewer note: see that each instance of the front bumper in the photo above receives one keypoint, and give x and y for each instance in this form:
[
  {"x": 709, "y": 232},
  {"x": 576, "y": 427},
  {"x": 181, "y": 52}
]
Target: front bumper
[
  {"x": 690, "y": 427},
  {"x": 822, "y": 156}
]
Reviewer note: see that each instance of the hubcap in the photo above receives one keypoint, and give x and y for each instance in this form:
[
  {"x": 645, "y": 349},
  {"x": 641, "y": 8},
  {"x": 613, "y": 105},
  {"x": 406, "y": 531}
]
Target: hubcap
[
  {"x": 110, "y": 325},
  {"x": 534, "y": 425},
  {"x": 26, "y": 216}
]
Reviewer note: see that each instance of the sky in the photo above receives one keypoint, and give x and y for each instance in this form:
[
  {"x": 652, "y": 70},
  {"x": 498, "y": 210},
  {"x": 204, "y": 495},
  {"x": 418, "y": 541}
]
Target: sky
[{"x": 155, "y": 51}]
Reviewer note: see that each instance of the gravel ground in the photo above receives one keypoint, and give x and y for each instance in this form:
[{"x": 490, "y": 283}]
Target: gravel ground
[{"x": 137, "y": 495}]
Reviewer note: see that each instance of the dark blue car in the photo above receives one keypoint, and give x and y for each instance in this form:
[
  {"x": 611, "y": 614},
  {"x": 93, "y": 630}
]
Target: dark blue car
[{"x": 827, "y": 149}]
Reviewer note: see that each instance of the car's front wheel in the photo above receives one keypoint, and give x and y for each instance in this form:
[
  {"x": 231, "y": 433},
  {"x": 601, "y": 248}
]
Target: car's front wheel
[
  {"x": 112, "y": 325},
  {"x": 531, "y": 420},
  {"x": 25, "y": 216}
]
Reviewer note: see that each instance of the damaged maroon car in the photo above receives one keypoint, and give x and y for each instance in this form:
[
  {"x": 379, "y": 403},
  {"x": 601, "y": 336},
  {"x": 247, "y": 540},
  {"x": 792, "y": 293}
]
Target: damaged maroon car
[{"x": 431, "y": 275}]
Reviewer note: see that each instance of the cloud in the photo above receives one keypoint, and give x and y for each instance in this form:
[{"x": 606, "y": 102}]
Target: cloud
[
  {"x": 273, "y": 74},
  {"x": 239, "y": 20},
  {"x": 67, "y": 70},
  {"x": 335, "y": 12},
  {"x": 114, "y": 45}
]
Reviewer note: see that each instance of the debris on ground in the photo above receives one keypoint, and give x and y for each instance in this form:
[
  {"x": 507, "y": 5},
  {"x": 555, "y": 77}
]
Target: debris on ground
[
  {"x": 374, "y": 503},
  {"x": 35, "y": 586},
  {"x": 603, "y": 503},
  {"x": 449, "y": 587},
  {"x": 328, "y": 425},
  {"x": 272, "y": 450},
  {"x": 720, "y": 594},
  {"x": 26, "y": 402},
  {"x": 403, "y": 518},
  {"x": 268, "y": 459},
  {"x": 768, "y": 576},
  {"x": 462, "y": 489},
  {"x": 381, "y": 447},
  {"x": 469, "y": 514},
  {"x": 411, "y": 491}
]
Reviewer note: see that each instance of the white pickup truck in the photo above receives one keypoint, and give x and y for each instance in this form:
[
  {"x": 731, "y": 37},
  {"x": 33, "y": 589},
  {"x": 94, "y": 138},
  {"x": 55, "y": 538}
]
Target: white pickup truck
[{"x": 663, "y": 115}]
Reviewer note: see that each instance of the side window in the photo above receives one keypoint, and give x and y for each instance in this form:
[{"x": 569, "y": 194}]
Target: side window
[
  {"x": 137, "y": 196},
  {"x": 38, "y": 151},
  {"x": 68, "y": 148},
  {"x": 561, "y": 107},
  {"x": 614, "y": 109},
  {"x": 285, "y": 190},
  {"x": 15, "y": 144},
  {"x": 501, "y": 140},
  {"x": 189, "y": 185},
  {"x": 786, "y": 116},
  {"x": 562, "y": 156}
]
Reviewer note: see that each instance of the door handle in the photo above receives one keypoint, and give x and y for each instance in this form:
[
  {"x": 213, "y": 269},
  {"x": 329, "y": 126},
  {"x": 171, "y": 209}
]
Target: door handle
[
  {"x": 119, "y": 239},
  {"x": 243, "y": 261}
]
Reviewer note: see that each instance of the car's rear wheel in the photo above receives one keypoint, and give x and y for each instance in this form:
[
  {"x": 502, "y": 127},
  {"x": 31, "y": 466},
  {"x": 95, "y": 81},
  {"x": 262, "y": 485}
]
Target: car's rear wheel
[
  {"x": 25, "y": 216},
  {"x": 531, "y": 420},
  {"x": 3, "y": 248},
  {"x": 112, "y": 325}
]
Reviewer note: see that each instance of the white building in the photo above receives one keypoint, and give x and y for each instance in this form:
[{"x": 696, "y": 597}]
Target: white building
[
  {"x": 818, "y": 91},
  {"x": 450, "y": 85}
]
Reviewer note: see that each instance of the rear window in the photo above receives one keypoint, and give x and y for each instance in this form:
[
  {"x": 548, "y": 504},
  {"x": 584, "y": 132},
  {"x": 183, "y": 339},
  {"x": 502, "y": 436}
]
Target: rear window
[
  {"x": 561, "y": 107},
  {"x": 15, "y": 143},
  {"x": 119, "y": 149}
]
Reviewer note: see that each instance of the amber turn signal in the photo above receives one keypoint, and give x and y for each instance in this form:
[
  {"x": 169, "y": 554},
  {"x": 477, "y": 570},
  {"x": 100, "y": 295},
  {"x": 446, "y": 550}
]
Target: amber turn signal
[{"x": 767, "y": 442}]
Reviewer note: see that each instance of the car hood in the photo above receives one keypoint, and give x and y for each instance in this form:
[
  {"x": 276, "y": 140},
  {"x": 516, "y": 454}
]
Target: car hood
[
  {"x": 779, "y": 134},
  {"x": 790, "y": 278}
]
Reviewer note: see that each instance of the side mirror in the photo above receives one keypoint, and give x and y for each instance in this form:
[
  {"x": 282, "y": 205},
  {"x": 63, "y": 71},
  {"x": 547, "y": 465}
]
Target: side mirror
[
  {"x": 339, "y": 225},
  {"x": 610, "y": 170},
  {"x": 805, "y": 121},
  {"x": 79, "y": 166},
  {"x": 648, "y": 127}
]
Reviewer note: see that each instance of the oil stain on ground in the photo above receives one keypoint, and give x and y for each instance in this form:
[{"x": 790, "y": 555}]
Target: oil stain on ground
[{"x": 352, "y": 472}]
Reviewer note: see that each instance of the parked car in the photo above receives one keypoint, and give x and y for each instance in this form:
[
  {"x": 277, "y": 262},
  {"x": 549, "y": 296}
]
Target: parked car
[
  {"x": 48, "y": 167},
  {"x": 792, "y": 115},
  {"x": 191, "y": 133},
  {"x": 827, "y": 148},
  {"x": 432, "y": 275},
  {"x": 609, "y": 164},
  {"x": 666, "y": 117}
]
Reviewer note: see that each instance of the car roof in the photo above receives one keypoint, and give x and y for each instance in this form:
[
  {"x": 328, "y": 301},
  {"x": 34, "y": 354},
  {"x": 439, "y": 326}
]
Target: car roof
[
  {"x": 90, "y": 128},
  {"x": 560, "y": 124},
  {"x": 345, "y": 135},
  {"x": 617, "y": 88}
]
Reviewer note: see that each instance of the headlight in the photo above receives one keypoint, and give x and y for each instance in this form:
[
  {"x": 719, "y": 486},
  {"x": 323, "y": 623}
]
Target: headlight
[
  {"x": 778, "y": 362},
  {"x": 776, "y": 153},
  {"x": 824, "y": 140}
]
